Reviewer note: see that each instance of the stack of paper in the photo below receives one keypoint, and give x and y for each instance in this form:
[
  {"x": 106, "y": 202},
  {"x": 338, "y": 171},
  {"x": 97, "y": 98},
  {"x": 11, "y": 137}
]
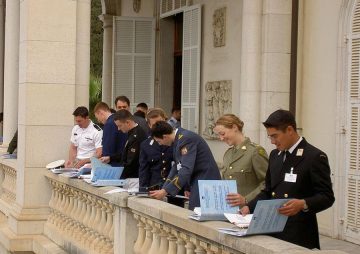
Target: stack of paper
[
  {"x": 266, "y": 219},
  {"x": 213, "y": 200}
]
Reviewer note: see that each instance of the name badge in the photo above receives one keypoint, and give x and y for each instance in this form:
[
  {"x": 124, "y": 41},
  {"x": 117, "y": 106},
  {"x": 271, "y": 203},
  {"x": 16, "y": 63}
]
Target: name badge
[{"x": 290, "y": 177}]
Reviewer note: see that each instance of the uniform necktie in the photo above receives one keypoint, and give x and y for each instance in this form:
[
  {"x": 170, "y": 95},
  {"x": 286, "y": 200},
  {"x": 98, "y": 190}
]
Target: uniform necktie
[{"x": 286, "y": 155}]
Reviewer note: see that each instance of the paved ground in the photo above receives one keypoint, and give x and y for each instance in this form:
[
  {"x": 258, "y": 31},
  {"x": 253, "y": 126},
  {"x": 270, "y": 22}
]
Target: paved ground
[{"x": 328, "y": 243}]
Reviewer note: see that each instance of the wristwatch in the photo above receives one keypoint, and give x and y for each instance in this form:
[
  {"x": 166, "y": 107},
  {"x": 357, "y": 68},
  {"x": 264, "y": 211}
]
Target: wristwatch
[{"x": 305, "y": 208}]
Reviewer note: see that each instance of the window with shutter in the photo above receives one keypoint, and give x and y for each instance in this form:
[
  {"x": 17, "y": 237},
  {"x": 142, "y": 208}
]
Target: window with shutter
[
  {"x": 133, "y": 59},
  {"x": 191, "y": 69},
  {"x": 171, "y": 7},
  {"x": 352, "y": 228}
]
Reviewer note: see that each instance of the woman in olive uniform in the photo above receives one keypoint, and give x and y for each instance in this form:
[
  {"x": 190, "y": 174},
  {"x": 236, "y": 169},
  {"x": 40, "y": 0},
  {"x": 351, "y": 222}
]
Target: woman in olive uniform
[{"x": 245, "y": 161}]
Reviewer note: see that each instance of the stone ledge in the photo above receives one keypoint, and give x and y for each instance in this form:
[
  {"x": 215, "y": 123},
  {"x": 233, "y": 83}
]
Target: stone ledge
[
  {"x": 42, "y": 245},
  {"x": 178, "y": 217}
]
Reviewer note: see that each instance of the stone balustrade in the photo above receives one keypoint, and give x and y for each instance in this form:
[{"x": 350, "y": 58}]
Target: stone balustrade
[
  {"x": 79, "y": 220},
  {"x": 85, "y": 220},
  {"x": 8, "y": 184}
]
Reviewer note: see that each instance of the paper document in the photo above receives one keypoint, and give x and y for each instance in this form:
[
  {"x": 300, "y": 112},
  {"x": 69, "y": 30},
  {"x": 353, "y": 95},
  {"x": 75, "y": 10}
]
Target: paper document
[
  {"x": 266, "y": 219},
  {"x": 239, "y": 220},
  {"x": 101, "y": 171},
  {"x": 213, "y": 203}
]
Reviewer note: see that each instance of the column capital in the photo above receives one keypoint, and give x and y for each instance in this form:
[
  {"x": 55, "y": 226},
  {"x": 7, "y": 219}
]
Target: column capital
[{"x": 107, "y": 20}]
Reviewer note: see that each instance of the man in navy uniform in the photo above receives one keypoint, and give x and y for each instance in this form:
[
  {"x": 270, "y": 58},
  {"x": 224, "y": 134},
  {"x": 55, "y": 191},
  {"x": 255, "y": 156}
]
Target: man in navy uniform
[
  {"x": 113, "y": 140},
  {"x": 123, "y": 102},
  {"x": 155, "y": 160},
  {"x": 193, "y": 161},
  {"x": 297, "y": 171},
  {"x": 129, "y": 158},
  {"x": 85, "y": 139}
]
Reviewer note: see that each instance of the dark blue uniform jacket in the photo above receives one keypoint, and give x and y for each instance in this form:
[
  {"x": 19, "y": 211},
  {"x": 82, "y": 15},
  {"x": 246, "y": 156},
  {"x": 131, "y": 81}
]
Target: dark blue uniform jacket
[{"x": 193, "y": 161}]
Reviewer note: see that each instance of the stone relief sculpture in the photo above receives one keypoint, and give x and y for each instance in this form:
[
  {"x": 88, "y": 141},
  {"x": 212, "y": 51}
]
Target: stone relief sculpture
[
  {"x": 218, "y": 101},
  {"x": 136, "y": 5},
  {"x": 219, "y": 25}
]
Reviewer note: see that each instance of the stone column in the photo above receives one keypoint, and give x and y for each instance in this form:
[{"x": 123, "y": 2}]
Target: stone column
[
  {"x": 2, "y": 44},
  {"x": 48, "y": 94},
  {"x": 107, "y": 58},
  {"x": 275, "y": 76},
  {"x": 250, "y": 84},
  {"x": 83, "y": 14},
  {"x": 11, "y": 69}
]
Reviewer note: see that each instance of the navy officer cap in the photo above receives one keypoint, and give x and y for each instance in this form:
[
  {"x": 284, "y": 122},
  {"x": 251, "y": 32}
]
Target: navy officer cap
[{"x": 279, "y": 118}]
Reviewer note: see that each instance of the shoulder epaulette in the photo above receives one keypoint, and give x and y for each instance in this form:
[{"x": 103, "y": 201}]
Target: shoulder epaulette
[{"x": 97, "y": 127}]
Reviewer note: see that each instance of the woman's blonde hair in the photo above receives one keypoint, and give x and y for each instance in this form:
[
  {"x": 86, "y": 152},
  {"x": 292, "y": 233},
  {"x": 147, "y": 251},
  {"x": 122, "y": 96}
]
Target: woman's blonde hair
[{"x": 229, "y": 120}]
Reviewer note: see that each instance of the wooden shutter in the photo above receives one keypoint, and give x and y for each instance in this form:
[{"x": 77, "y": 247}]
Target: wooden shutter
[
  {"x": 352, "y": 228},
  {"x": 133, "y": 61},
  {"x": 190, "y": 95}
]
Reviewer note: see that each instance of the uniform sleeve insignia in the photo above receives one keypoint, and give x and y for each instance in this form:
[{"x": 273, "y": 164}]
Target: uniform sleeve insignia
[
  {"x": 180, "y": 136},
  {"x": 133, "y": 150},
  {"x": 243, "y": 147},
  {"x": 262, "y": 152},
  {"x": 184, "y": 150}
]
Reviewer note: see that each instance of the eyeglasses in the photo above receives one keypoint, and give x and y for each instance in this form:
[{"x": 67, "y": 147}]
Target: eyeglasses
[{"x": 273, "y": 136}]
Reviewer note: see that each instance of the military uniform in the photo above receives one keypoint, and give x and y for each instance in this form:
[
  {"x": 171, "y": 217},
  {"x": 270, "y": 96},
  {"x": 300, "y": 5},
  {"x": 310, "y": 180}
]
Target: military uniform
[
  {"x": 312, "y": 183},
  {"x": 247, "y": 164},
  {"x": 193, "y": 161},
  {"x": 113, "y": 140},
  {"x": 86, "y": 140},
  {"x": 130, "y": 155},
  {"x": 174, "y": 123},
  {"x": 155, "y": 163}
]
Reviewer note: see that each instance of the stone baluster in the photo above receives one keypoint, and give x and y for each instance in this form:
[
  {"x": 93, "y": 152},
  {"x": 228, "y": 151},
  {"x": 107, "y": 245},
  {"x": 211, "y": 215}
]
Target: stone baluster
[
  {"x": 148, "y": 237},
  {"x": 56, "y": 203},
  {"x": 155, "y": 245},
  {"x": 172, "y": 241},
  {"x": 98, "y": 243},
  {"x": 60, "y": 205},
  {"x": 76, "y": 216},
  {"x": 82, "y": 218},
  {"x": 70, "y": 221},
  {"x": 211, "y": 249},
  {"x": 90, "y": 230},
  {"x": 141, "y": 234},
  {"x": 164, "y": 243},
  {"x": 189, "y": 246},
  {"x": 52, "y": 202},
  {"x": 111, "y": 232},
  {"x": 199, "y": 249},
  {"x": 180, "y": 243}
]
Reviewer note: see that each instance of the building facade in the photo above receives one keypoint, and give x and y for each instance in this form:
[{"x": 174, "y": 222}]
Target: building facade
[{"x": 247, "y": 57}]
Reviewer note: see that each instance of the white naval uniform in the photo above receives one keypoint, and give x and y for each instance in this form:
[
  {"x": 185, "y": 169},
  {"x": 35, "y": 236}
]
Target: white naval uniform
[{"x": 86, "y": 140}]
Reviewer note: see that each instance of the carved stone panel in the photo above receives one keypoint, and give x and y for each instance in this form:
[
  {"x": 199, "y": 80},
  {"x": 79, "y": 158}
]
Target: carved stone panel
[
  {"x": 218, "y": 101},
  {"x": 136, "y": 5},
  {"x": 219, "y": 26}
]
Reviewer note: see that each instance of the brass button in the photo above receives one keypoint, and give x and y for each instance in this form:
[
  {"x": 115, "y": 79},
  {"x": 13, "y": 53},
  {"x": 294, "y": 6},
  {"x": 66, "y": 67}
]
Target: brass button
[
  {"x": 230, "y": 177},
  {"x": 230, "y": 167},
  {"x": 241, "y": 170},
  {"x": 286, "y": 195},
  {"x": 164, "y": 168},
  {"x": 164, "y": 162},
  {"x": 273, "y": 194},
  {"x": 162, "y": 153}
]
